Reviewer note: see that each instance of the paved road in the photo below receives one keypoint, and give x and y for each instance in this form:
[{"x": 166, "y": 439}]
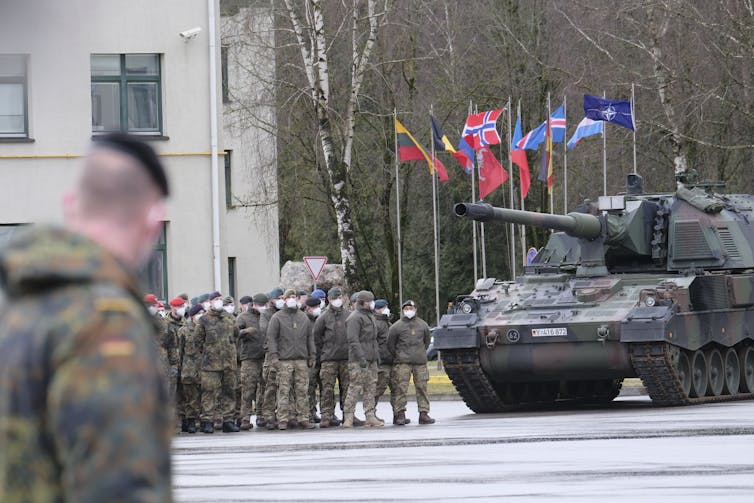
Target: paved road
[{"x": 630, "y": 451}]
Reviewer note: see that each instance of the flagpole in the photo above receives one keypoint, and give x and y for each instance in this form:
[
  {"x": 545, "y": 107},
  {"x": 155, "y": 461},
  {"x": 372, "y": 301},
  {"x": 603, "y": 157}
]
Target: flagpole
[
  {"x": 512, "y": 196},
  {"x": 604, "y": 155},
  {"x": 565, "y": 158},
  {"x": 474, "y": 222},
  {"x": 481, "y": 224},
  {"x": 549, "y": 189},
  {"x": 434, "y": 222},
  {"x": 521, "y": 193},
  {"x": 398, "y": 212},
  {"x": 633, "y": 119}
]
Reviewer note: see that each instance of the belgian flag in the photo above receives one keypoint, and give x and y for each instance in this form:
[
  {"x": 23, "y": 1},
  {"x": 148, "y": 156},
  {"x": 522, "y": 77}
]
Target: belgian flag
[{"x": 411, "y": 150}]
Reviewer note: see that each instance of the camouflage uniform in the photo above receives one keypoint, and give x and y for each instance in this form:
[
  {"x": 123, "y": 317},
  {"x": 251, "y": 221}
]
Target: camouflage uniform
[
  {"x": 83, "y": 413},
  {"x": 332, "y": 349},
  {"x": 363, "y": 359},
  {"x": 170, "y": 342},
  {"x": 191, "y": 362},
  {"x": 385, "y": 372},
  {"x": 269, "y": 392},
  {"x": 290, "y": 340},
  {"x": 252, "y": 329},
  {"x": 216, "y": 334},
  {"x": 408, "y": 341}
]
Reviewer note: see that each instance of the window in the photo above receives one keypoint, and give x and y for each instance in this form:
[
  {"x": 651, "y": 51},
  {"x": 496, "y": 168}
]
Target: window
[
  {"x": 154, "y": 276},
  {"x": 14, "y": 122},
  {"x": 224, "y": 73},
  {"x": 126, "y": 93},
  {"x": 228, "y": 180},
  {"x": 232, "y": 276}
]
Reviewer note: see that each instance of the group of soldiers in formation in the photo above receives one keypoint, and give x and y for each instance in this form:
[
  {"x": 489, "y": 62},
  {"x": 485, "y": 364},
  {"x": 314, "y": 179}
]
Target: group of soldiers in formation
[{"x": 274, "y": 354}]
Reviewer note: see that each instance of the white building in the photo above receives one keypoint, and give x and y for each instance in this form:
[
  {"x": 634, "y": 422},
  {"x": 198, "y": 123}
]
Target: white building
[{"x": 70, "y": 70}]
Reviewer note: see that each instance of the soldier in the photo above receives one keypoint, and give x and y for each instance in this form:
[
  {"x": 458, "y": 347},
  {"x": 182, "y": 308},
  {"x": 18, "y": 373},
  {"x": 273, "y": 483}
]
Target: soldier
[
  {"x": 269, "y": 372},
  {"x": 320, "y": 295},
  {"x": 252, "y": 330},
  {"x": 173, "y": 323},
  {"x": 407, "y": 342},
  {"x": 216, "y": 334},
  {"x": 191, "y": 362},
  {"x": 313, "y": 311},
  {"x": 83, "y": 413},
  {"x": 332, "y": 348},
  {"x": 292, "y": 352},
  {"x": 363, "y": 359},
  {"x": 386, "y": 371},
  {"x": 229, "y": 305}
]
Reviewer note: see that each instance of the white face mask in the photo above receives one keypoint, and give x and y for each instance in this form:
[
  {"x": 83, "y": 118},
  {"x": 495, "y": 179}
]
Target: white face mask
[
  {"x": 205, "y": 305},
  {"x": 152, "y": 310},
  {"x": 163, "y": 313},
  {"x": 291, "y": 303},
  {"x": 198, "y": 317},
  {"x": 321, "y": 304},
  {"x": 181, "y": 312},
  {"x": 371, "y": 305},
  {"x": 317, "y": 311},
  {"x": 279, "y": 303},
  {"x": 261, "y": 309},
  {"x": 386, "y": 311},
  {"x": 229, "y": 308},
  {"x": 336, "y": 303},
  {"x": 409, "y": 313},
  {"x": 217, "y": 304}
]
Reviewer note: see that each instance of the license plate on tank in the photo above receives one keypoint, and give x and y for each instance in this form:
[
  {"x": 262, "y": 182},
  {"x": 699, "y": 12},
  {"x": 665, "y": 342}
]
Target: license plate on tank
[{"x": 549, "y": 332}]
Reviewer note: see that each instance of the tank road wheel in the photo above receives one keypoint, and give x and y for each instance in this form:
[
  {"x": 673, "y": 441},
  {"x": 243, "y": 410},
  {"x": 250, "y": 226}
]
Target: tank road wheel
[
  {"x": 715, "y": 372},
  {"x": 698, "y": 374},
  {"x": 747, "y": 369},
  {"x": 732, "y": 372},
  {"x": 683, "y": 369}
]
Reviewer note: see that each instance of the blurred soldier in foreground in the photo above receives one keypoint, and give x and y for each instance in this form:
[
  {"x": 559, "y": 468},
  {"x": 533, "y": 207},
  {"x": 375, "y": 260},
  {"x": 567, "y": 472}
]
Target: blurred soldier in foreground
[
  {"x": 332, "y": 349},
  {"x": 252, "y": 330},
  {"x": 83, "y": 402},
  {"x": 408, "y": 342}
]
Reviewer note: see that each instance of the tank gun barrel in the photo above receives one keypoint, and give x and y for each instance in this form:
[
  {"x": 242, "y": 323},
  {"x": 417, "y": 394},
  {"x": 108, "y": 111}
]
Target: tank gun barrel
[{"x": 580, "y": 225}]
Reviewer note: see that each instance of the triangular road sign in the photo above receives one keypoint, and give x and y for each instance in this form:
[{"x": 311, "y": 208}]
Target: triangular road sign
[{"x": 315, "y": 265}]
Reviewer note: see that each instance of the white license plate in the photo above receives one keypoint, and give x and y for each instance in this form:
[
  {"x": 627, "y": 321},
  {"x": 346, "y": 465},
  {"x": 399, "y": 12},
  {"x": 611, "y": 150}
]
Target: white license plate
[{"x": 549, "y": 332}]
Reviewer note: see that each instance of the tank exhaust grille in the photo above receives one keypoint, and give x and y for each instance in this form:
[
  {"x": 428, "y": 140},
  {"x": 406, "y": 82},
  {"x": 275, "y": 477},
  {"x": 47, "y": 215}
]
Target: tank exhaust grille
[
  {"x": 729, "y": 244},
  {"x": 689, "y": 242}
]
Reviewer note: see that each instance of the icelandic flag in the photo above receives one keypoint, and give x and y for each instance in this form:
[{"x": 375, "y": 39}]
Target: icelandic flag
[
  {"x": 615, "y": 111},
  {"x": 536, "y": 136},
  {"x": 482, "y": 128},
  {"x": 558, "y": 125},
  {"x": 587, "y": 127}
]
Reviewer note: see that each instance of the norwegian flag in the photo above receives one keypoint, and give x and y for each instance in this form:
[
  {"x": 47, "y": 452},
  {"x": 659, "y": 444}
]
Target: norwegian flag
[{"x": 482, "y": 129}]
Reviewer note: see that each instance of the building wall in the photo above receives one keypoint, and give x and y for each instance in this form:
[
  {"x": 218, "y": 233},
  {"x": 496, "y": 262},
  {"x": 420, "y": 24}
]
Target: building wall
[{"x": 60, "y": 37}]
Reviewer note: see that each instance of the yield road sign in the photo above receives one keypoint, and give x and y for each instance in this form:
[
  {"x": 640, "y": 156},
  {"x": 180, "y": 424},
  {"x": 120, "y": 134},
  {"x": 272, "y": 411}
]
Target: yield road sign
[{"x": 315, "y": 265}]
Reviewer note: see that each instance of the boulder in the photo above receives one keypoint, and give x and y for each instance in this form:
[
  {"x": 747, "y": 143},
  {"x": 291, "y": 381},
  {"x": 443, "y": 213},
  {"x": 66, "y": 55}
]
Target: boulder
[{"x": 297, "y": 276}]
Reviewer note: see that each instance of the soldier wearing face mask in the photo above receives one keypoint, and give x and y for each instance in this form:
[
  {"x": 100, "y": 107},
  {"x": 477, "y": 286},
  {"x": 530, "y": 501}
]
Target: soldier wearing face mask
[
  {"x": 191, "y": 363},
  {"x": 313, "y": 311},
  {"x": 407, "y": 342},
  {"x": 252, "y": 329},
  {"x": 269, "y": 372},
  {"x": 173, "y": 323},
  {"x": 151, "y": 303},
  {"x": 216, "y": 334},
  {"x": 386, "y": 371}
]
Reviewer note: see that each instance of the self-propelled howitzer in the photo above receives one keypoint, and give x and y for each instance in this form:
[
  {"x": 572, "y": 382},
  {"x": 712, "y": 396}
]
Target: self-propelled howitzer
[{"x": 655, "y": 286}]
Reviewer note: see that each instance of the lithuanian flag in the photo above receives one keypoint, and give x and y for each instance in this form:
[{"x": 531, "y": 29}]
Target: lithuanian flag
[{"x": 411, "y": 150}]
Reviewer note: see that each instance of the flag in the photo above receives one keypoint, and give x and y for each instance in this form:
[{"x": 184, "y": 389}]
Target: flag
[
  {"x": 558, "y": 124},
  {"x": 411, "y": 150},
  {"x": 518, "y": 156},
  {"x": 587, "y": 127},
  {"x": 482, "y": 128},
  {"x": 545, "y": 170},
  {"x": 615, "y": 111},
  {"x": 491, "y": 174},
  {"x": 468, "y": 152},
  {"x": 533, "y": 138},
  {"x": 536, "y": 136},
  {"x": 442, "y": 144}
]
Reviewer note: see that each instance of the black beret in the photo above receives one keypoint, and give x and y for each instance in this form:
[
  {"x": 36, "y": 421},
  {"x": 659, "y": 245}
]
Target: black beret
[
  {"x": 141, "y": 152},
  {"x": 246, "y": 300},
  {"x": 261, "y": 299},
  {"x": 380, "y": 303},
  {"x": 214, "y": 295},
  {"x": 312, "y": 302},
  {"x": 195, "y": 309},
  {"x": 302, "y": 292}
]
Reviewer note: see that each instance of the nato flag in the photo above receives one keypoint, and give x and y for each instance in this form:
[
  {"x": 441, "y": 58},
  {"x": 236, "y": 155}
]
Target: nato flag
[{"x": 615, "y": 111}]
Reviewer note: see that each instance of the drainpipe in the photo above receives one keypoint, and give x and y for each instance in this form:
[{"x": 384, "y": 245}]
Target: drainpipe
[{"x": 216, "y": 257}]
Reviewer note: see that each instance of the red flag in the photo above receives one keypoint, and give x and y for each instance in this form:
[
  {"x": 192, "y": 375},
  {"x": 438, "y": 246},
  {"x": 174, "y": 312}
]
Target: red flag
[
  {"x": 518, "y": 157},
  {"x": 491, "y": 175},
  {"x": 442, "y": 174}
]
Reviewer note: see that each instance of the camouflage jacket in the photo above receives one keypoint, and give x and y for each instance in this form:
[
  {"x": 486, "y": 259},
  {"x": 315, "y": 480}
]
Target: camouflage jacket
[
  {"x": 170, "y": 339},
  {"x": 362, "y": 336},
  {"x": 330, "y": 335},
  {"x": 408, "y": 341},
  {"x": 216, "y": 336},
  {"x": 190, "y": 354},
  {"x": 382, "y": 323},
  {"x": 289, "y": 335},
  {"x": 83, "y": 414},
  {"x": 160, "y": 326},
  {"x": 252, "y": 331}
]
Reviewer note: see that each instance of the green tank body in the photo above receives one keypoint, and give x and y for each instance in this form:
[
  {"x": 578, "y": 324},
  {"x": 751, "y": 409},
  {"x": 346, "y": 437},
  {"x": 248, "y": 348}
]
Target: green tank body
[{"x": 654, "y": 286}]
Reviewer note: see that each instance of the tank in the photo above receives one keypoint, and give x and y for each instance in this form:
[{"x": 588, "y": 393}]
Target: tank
[{"x": 654, "y": 286}]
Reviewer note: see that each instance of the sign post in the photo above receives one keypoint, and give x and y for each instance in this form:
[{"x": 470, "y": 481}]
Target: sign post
[{"x": 315, "y": 266}]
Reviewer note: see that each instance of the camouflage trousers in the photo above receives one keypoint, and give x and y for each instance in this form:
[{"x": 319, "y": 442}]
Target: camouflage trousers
[
  {"x": 403, "y": 372},
  {"x": 315, "y": 385},
  {"x": 270, "y": 395},
  {"x": 251, "y": 389},
  {"x": 385, "y": 379},
  {"x": 219, "y": 395},
  {"x": 329, "y": 373},
  {"x": 293, "y": 375},
  {"x": 192, "y": 400},
  {"x": 362, "y": 383}
]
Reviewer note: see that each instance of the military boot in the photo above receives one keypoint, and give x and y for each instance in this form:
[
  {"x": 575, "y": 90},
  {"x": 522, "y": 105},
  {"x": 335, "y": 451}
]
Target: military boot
[
  {"x": 334, "y": 422},
  {"x": 314, "y": 418},
  {"x": 191, "y": 426},
  {"x": 217, "y": 424},
  {"x": 184, "y": 425},
  {"x": 271, "y": 425},
  {"x": 357, "y": 421},
  {"x": 246, "y": 425},
  {"x": 324, "y": 422},
  {"x": 293, "y": 424},
  {"x": 261, "y": 422},
  {"x": 207, "y": 427},
  {"x": 282, "y": 425},
  {"x": 373, "y": 422},
  {"x": 230, "y": 427},
  {"x": 425, "y": 419},
  {"x": 399, "y": 419},
  {"x": 348, "y": 420},
  {"x": 306, "y": 425}
]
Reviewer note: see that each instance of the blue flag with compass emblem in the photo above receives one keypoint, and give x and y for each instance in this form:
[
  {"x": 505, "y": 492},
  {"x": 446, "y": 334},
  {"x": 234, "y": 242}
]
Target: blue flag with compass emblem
[{"x": 615, "y": 111}]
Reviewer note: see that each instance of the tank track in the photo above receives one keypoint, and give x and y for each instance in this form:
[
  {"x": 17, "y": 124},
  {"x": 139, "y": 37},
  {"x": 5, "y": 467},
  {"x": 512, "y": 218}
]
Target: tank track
[
  {"x": 466, "y": 374},
  {"x": 653, "y": 363}
]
